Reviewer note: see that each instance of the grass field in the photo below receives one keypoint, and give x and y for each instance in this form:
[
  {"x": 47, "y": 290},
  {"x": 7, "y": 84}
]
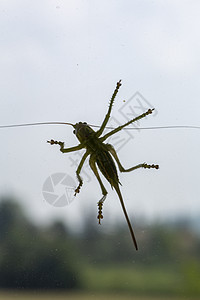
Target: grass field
[
  {"x": 140, "y": 280},
  {"x": 123, "y": 283},
  {"x": 77, "y": 296}
]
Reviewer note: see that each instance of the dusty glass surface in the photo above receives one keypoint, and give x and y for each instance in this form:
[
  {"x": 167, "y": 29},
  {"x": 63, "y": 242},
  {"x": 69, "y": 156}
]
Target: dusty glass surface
[{"x": 60, "y": 61}]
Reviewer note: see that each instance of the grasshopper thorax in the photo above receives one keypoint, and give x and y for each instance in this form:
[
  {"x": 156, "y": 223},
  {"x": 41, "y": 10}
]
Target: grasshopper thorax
[{"x": 82, "y": 131}]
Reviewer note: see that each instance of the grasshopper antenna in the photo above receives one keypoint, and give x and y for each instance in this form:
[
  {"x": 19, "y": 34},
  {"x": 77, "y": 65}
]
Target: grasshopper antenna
[
  {"x": 35, "y": 124},
  {"x": 97, "y": 126},
  {"x": 156, "y": 127}
]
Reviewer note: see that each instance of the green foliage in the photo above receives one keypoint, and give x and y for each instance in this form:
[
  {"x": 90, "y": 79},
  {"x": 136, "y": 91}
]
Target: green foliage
[
  {"x": 33, "y": 257},
  {"x": 191, "y": 277}
]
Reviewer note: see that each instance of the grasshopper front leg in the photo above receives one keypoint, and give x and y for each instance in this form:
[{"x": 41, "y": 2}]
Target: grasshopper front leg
[
  {"x": 148, "y": 112},
  {"x": 71, "y": 149},
  {"x": 65, "y": 150},
  {"x": 105, "y": 121}
]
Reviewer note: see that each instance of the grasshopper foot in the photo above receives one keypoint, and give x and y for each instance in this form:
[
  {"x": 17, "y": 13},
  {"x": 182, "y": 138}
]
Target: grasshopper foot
[
  {"x": 77, "y": 190},
  {"x": 52, "y": 142},
  {"x": 100, "y": 207},
  {"x": 150, "y": 166}
]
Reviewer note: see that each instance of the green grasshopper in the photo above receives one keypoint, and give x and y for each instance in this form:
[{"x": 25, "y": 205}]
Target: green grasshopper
[{"x": 102, "y": 155}]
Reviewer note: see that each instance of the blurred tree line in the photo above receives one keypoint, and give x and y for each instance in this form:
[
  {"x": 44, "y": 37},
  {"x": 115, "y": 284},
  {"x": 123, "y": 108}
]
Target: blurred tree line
[
  {"x": 34, "y": 257},
  {"x": 52, "y": 257}
]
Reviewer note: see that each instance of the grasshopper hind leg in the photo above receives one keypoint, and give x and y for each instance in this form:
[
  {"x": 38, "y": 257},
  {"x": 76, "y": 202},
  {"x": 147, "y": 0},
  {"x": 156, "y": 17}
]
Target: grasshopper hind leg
[
  {"x": 103, "y": 189},
  {"x": 122, "y": 169}
]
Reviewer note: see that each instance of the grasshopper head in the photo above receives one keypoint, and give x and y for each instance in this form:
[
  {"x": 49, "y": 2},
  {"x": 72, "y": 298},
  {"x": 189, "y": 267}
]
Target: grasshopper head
[{"x": 82, "y": 131}]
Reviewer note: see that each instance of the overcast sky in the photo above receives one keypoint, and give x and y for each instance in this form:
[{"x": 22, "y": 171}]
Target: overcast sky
[{"x": 60, "y": 61}]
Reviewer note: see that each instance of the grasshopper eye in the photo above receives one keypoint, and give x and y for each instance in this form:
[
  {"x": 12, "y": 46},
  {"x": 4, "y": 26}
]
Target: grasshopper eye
[
  {"x": 85, "y": 123},
  {"x": 74, "y": 131}
]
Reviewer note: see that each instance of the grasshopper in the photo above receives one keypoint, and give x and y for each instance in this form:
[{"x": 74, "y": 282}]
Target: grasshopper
[{"x": 101, "y": 155}]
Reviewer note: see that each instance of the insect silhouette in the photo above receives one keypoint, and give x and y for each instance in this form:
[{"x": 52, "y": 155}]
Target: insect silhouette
[{"x": 102, "y": 155}]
